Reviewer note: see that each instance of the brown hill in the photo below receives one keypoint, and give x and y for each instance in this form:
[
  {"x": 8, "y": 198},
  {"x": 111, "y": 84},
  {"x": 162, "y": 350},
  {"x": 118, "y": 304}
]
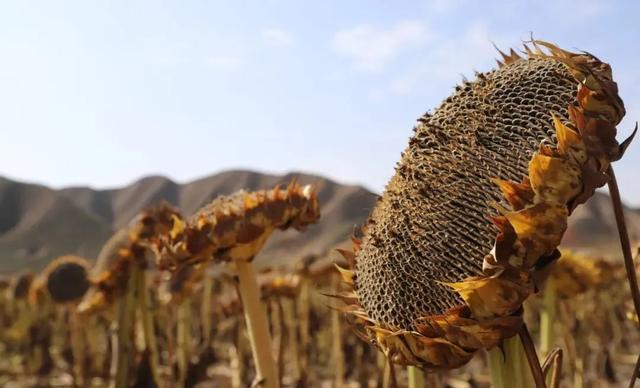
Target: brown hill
[
  {"x": 38, "y": 224},
  {"x": 592, "y": 227}
]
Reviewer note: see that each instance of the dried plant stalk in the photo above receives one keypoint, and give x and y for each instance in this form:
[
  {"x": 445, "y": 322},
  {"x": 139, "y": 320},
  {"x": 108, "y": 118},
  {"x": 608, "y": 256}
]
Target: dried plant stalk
[
  {"x": 183, "y": 339},
  {"x": 415, "y": 377},
  {"x": 548, "y": 318},
  {"x": 257, "y": 325},
  {"x": 205, "y": 310},
  {"x": 508, "y": 365},
  {"x": 148, "y": 327},
  {"x": 304, "y": 311},
  {"x": 336, "y": 340},
  {"x": 294, "y": 347},
  {"x": 123, "y": 346}
]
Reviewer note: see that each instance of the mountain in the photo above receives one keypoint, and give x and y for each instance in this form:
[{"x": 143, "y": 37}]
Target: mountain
[
  {"x": 38, "y": 223},
  {"x": 592, "y": 227}
]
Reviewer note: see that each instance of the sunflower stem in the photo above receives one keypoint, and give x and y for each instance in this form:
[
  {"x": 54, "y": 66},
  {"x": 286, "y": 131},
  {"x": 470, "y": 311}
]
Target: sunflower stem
[
  {"x": 291, "y": 324},
  {"x": 338, "y": 356},
  {"x": 183, "y": 339},
  {"x": 508, "y": 365},
  {"x": 77, "y": 348},
  {"x": 205, "y": 310},
  {"x": 625, "y": 244},
  {"x": 148, "y": 327},
  {"x": 636, "y": 374},
  {"x": 547, "y": 319},
  {"x": 618, "y": 211},
  {"x": 415, "y": 376},
  {"x": 386, "y": 374},
  {"x": 532, "y": 356},
  {"x": 392, "y": 373},
  {"x": 123, "y": 344},
  {"x": 257, "y": 325},
  {"x": 304, "y": 313}
]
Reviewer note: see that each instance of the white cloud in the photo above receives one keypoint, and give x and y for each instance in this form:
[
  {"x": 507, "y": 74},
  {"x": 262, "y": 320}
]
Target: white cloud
[
  {"x": 278, "y": 37},
  {"x": 371, "y": 49},
  {"x": 225, "y": 62}
]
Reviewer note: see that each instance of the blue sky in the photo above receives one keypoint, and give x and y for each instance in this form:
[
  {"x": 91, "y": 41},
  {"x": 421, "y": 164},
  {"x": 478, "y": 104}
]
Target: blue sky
[{"x": 101, "y": 93}]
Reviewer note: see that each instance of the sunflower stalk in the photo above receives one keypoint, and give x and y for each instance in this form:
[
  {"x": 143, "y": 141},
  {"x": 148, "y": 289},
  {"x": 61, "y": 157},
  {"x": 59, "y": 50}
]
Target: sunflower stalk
[
  {"x": 205, "y": 310},
  {"x": 508, "y": 365},
  {"x": 386, "y": 374},
  {"x": 278, "y": 329},
  {"x": 625, "y": 244},
  {"x": 257, "y": 325},
  {"x": 148, "y": 328},
  {"x": 292, "y": 328},
  {"x": 548, "y": 317},
  {"x": 415, "y": 376},
  {"x": 122, "y": 343},
  {"x": 338, "y": 356},
  {"x": 77, "y": 347},
  {"x": 304, "y": 311},
  {"x": 183, "y": 339}
]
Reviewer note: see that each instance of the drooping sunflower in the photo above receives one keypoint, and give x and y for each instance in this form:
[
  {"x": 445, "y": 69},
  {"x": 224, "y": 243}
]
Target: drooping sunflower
[
  {"x": 469, "y": 225},
  {"x": 233, "y": 229},
  {"x": 127, "y": 247}
]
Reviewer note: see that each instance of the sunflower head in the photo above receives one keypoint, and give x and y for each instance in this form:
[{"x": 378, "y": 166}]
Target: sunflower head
[
  {"x": 67, "y": 279},
  {"x": 578, "y": 273},
  {"x": 469, "y": 225},
  {"x": 279, "y": 284},
  {"x": 235, "y": 227},
  {"x": 128, "y": 246}
]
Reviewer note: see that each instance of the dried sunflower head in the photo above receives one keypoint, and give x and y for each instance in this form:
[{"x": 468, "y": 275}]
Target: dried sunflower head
[
  {"x": 577, "y": 273},
  {"x": 128, "y": 246},
  {"x": 471, "y": 220},
  {"x": 279, "y": 284},
  {"x": 236, "y": 227},
  {"x": 67, "y": 279}
]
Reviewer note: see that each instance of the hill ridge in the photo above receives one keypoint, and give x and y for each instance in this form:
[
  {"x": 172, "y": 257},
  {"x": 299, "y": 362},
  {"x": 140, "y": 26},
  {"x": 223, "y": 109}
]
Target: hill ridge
[{"x": 38, "y": 223}]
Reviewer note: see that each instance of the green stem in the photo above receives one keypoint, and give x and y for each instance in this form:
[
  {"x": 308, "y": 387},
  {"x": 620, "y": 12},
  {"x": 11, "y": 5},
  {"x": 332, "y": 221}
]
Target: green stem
[
  {"x": 415, "y": 376},
  {"x": 547, "y": 319},
  {"x": 509, "y": 366},
  {"x": 386, "y": 374}
]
